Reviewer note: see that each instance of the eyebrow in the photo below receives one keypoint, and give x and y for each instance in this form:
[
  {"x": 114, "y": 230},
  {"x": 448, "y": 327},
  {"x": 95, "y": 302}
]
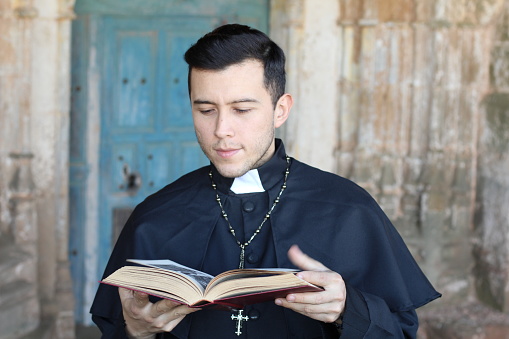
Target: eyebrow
[{"x": 207, "y": 102}]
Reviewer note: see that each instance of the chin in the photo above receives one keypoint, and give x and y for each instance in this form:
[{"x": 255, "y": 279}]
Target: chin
[{"x": 230, "y": 172}]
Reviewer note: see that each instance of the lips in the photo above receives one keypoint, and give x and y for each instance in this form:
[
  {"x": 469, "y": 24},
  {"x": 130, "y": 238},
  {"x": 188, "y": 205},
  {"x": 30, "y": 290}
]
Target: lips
[{"x": 226, "y": 152}]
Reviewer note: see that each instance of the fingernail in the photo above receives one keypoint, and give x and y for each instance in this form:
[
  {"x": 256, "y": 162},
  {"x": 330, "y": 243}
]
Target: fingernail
[
  {"x": 278, "y": 302},
  {"x": 290, "y": 298}
]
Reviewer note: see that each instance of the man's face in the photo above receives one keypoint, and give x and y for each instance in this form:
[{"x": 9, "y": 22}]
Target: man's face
[{"x": 234, "y": 117}]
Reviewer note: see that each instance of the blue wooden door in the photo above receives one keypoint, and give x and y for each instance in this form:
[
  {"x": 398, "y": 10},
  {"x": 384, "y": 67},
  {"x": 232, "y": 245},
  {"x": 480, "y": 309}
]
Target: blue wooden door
[
  {"x": 147, "y": 135},
  {"x": 131, "y": 124}
]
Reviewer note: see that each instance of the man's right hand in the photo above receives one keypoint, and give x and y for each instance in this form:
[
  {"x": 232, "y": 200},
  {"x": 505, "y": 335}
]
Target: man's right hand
[{"x": 144, "y": 319}]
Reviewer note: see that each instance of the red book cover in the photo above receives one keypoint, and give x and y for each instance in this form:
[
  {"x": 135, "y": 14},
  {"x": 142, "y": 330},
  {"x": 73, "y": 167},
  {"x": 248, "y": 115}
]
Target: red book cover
[{"x": 238, "y": 302}]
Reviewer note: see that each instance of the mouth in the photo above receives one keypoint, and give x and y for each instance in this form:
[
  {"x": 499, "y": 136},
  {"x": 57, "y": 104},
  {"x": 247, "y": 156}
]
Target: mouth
[{"x": 227, "y": 152}]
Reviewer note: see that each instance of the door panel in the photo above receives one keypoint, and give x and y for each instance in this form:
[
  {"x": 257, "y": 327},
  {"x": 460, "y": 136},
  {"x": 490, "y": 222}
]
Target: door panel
[
  {"x": 134, "y": 81},
  {"x": 175, "y": 86},
  {"x": 147, "y": 135}
]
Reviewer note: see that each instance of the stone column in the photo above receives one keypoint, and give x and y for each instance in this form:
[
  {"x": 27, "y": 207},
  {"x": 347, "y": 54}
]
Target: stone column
[
  {"x": 19, "y": 300},
  {"x": 50, "y": 99},
  {"x": 308, "y": 32},
  {"x": 20, "y": 310},
  {"x": 491, "y": 242}
]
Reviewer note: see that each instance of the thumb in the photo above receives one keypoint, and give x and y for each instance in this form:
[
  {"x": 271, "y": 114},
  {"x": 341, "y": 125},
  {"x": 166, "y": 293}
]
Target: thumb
[{"x": 303, "y": 261}]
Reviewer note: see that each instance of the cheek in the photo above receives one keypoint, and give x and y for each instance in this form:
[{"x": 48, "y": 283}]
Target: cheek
[
  {"x": 267, "y": 125},
  {"x": 200, "y": 127},
  {"x": 200, "y": 135}
]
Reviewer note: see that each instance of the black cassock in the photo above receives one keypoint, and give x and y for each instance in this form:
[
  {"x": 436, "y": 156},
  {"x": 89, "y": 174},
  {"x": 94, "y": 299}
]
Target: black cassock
[{"x": 331, "y": 219}]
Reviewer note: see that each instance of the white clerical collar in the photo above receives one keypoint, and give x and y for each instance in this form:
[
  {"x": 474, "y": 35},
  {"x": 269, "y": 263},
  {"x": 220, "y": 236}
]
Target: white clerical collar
[{"x": 248, "y": 183}]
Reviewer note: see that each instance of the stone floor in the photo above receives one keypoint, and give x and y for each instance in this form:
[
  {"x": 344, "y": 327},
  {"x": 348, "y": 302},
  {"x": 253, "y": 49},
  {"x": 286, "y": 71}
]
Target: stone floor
[
  {"x": 466, "y": 321},
  {"x": 84, "y": 332}
]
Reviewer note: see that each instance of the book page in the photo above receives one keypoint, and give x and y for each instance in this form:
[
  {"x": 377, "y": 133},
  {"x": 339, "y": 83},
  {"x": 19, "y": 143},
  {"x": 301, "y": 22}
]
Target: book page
[
  {"x": 249, "y": 272},
  {"x": 254, "y": 283},
  {"x": 200, "y": 278}
]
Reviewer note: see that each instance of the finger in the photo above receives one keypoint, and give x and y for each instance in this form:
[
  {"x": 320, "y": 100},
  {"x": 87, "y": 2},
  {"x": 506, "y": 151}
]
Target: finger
[
  {"x": 311, "y": 298},
  {"x": 324, "y": 312},
  {"x": 168, "y": 320},
  {"x": 303, "y": 261},
  {"x": 183, "y": 310},
  {"x": 140, "y": 298},
  {"x": 124, "y": 293},
  {"x": 332, "y": 282},
  {"x": 325, "y": 279},
  {"x": 302, "y": 307},
  {"x": 316, "y": 298},
  {"x": 163, "y": 306}
]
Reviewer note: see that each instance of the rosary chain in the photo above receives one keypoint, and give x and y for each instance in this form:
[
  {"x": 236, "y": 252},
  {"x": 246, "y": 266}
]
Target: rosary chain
[{"x": 267, "y": 215}]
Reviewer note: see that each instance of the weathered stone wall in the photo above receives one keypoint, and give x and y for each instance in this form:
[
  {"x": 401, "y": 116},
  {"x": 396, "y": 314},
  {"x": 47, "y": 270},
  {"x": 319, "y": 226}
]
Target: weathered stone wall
[
  {"x": 35, "y": 291},
  {"x": 397, "y": 108},
  {"x": 19, "y": 301},
  {"x": 411, "y": 84}
]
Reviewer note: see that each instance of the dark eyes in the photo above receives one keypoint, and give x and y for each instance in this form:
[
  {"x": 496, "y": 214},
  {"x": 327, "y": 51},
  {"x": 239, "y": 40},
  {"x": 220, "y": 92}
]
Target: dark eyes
[
  {"x": 206, "y": 111},
  {"x": 237, "y": 110},
  {"x": 241, "y": 111}
]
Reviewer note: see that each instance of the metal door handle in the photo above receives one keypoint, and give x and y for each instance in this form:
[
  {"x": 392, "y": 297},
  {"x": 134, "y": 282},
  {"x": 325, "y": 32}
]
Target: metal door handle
[{"x": 132, "y": 179}]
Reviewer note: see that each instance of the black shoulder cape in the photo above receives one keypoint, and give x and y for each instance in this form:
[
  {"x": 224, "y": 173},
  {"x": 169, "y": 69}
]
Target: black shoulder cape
[{"x": 332, "y": 220}]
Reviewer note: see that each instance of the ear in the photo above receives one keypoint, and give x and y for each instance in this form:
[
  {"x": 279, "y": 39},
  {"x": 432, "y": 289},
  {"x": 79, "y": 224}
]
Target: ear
[{"x": 282, "y": 111}]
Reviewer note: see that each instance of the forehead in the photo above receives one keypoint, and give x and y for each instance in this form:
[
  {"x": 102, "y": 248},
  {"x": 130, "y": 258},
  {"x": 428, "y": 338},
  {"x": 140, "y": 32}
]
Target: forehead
[{"x": 241, "y": 77}]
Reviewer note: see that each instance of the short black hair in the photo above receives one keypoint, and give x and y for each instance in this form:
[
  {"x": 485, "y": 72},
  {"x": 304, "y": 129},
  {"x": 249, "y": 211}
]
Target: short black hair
[{"x": 232, "y": 44}]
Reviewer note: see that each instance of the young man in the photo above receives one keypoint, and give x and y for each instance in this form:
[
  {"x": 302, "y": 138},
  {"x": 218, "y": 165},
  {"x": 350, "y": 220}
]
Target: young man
[{"x": 256, "y": 207}]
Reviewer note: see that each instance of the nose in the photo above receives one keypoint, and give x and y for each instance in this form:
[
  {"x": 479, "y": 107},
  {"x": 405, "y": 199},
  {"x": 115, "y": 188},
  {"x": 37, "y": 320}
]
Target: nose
[{"x": 224, "y": 125}]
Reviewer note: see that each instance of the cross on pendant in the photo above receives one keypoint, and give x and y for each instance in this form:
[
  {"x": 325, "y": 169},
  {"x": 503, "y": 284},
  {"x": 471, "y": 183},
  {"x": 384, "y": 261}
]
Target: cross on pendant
[{"x": 239, "y": 319}]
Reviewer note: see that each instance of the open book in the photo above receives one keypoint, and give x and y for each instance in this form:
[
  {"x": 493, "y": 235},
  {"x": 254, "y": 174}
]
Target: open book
[{"x": 231, "y": 289}]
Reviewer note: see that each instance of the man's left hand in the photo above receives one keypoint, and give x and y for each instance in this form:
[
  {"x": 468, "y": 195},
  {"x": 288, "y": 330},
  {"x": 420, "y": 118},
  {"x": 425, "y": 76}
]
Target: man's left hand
[{"x": 326, "y": 305}]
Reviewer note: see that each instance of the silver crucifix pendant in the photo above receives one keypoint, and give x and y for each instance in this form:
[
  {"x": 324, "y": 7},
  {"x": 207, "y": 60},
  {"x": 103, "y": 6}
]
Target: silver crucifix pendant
[
  {"x": 242, "y": 255},
  {"x": 240, "y": 318}
]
